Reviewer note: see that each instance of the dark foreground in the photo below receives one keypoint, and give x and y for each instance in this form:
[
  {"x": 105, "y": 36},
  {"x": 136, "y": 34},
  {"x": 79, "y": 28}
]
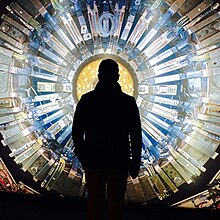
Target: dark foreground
[{"x": 13, "y": 206}]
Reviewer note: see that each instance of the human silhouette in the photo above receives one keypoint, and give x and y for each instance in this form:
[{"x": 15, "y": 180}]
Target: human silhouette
[{"x": 106, "y": 134}]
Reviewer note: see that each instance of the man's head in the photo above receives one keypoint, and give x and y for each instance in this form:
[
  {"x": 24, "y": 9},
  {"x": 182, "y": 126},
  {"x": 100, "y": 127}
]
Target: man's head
[{"x": 108, "y": 71}]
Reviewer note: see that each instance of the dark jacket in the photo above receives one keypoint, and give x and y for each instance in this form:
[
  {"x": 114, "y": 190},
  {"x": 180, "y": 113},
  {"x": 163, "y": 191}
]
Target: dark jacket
[{"x": 107, "y": 129}]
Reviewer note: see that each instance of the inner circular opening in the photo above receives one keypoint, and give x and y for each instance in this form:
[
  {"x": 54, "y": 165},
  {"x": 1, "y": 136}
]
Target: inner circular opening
[{"x": 87, "y": 77}]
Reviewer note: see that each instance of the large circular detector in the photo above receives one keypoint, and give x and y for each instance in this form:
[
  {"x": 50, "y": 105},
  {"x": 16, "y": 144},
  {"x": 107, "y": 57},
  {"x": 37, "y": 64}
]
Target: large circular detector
[{"x": 168, "y": 53}]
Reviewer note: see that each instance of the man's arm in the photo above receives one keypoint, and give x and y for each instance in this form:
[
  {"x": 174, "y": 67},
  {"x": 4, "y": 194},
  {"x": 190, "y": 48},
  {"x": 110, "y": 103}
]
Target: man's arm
[
  {"x": 136, "y": 140},
  {"x": 78, "y": 129}
]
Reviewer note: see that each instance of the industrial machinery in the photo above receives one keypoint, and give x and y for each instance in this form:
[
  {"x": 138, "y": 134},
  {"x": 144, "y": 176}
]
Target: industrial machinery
[{"x": 169, "y": 57}]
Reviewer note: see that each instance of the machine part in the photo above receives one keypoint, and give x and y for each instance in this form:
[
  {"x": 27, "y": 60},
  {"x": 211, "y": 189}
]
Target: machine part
[
  {"x": 29, "y": 152},
  {"x": 29, "y": 163},
  {"x": 146, "y": 186},
  {"x": 166, "y": 178},
  {"x": 156, "y": 183},
  {"x": 106, "y": 24},
  {"x": 13, "y": 32},
  {"x": 56, "y": 174},
  {"x": 16, "y": 24},
  {"x": 72, "y": 184},
  {"x": 62, "y": 178},
  {"x": 139, "y": 190},
  {"x": 172, "y": 173},
  {"x": 42, "y": 173},
  {"x": 42, "y": 160},
  {"x": 131, "y": 193}
]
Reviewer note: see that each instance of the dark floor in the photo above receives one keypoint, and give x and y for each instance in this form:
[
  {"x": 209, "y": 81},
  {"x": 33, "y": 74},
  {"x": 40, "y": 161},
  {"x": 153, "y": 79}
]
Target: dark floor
[{"x": 33, "y": 207}]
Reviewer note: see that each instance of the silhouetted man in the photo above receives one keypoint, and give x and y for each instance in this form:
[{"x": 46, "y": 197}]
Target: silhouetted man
[{"x": 106, "y": 134}]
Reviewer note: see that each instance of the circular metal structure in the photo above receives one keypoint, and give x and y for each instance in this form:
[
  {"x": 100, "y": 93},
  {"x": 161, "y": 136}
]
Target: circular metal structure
[
  {"x": 171, "y": 51},
  {"x": 107, "y": 24}
]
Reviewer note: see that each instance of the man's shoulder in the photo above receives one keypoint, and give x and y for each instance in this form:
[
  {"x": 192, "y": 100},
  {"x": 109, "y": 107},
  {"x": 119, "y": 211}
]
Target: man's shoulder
[
  {"x": 128, "y": 97},
  {"x": 88, "y": 95}
]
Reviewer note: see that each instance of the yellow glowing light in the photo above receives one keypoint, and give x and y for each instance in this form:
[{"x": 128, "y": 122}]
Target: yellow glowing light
[{"x": 88, "y": 79}]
